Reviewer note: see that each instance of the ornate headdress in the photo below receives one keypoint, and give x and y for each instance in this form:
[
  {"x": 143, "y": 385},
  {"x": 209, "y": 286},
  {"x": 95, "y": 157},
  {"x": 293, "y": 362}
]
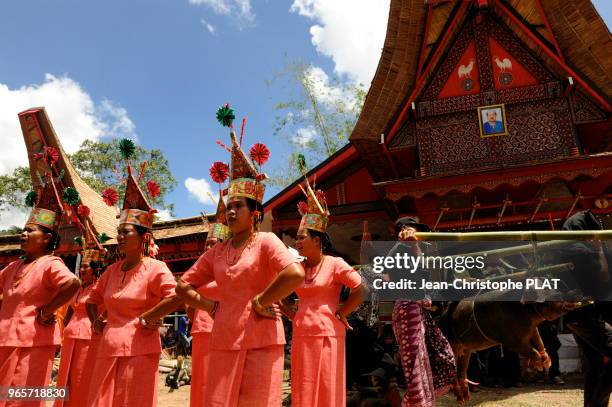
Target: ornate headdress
[
  {"x": 245, "y": 179},
  {"x": 315, "y": 214},
  {"x": 136, "y": 209},
  {"x": 219, "y": 173}
]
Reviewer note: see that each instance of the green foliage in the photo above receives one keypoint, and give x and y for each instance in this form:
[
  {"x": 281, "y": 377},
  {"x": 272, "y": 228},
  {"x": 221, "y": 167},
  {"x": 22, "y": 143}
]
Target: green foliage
[
  {"x": 13, "y": 230},
  {"x": 14, "y": 187},
  {"x": 101, "y": 165},
  {"x": 103, "y": 238},
  {"x": 318, "y": 118}
]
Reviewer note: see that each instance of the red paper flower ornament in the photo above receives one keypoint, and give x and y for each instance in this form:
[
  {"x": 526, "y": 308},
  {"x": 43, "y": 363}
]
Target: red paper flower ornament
[
  {"x": 219, "y": 172},
  {"x": 110, "y": 196},
  {"x": 259, "y": 153},
  {"x": 153, "y": 189}
]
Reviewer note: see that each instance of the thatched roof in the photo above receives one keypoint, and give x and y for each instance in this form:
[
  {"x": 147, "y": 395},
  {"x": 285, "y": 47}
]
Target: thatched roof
[
  {"x": 581, "y": 34},
  {"x": 180, "y": 227},
  {"x": 103, "y": 217}
]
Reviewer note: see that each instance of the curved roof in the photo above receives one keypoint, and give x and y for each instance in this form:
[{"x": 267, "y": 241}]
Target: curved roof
[
  {"x": 103, "y": 217},
  {"x": 416, "y": 34}
]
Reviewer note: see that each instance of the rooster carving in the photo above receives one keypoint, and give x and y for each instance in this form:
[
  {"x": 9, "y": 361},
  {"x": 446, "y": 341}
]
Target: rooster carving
[
  {"x": 465, "y": 71},
  {"x": 503, "y": 64}
]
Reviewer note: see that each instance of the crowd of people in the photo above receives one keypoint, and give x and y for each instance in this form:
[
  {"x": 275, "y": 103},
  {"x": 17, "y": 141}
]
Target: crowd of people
[{"x": 235, "y": 293}]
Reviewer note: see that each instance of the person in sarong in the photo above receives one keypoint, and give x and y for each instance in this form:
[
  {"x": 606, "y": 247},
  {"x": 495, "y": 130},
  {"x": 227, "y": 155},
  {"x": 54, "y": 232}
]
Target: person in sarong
[
  {"x": 253, "y": 271},
  {"x": 426, "y": 356},
  {"x": 33, "y": 289},
  {"x": 202, "y": 321},
  {"x": 74, "y": 370},
  {"x": 318, "y": 366},
  {"x": 136, "y": 292}
]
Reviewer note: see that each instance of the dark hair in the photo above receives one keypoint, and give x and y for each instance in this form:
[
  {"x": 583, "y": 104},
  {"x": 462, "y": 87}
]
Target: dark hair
[
  {"x": 253, "y": 206},
  {"x": 141, "y": 229},
  {"x": 55, "y": 238},
  {"x": 326, "y": 243}
]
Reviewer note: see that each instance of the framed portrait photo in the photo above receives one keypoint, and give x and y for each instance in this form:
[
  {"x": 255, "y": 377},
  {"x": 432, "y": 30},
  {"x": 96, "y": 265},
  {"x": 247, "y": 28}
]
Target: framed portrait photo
[{"x": 492, "y": 121}]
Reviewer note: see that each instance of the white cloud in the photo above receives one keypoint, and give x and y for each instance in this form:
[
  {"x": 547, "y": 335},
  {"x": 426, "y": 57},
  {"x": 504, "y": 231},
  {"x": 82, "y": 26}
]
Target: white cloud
[
  {"x": 115, "y": 120},
  {"x": 304, "y": 135},
  {"x": 200, "y": 190},
  {"x": 326, "y": 92},
  {"x": 12, "y": 217},
  {"x": 163, "y": 215},
  {"x": 240, "y": 10},
  {"x": 351, "y": 32},
  {"x": 72, "y": 112},
  {"x": 211, "y": 28}
]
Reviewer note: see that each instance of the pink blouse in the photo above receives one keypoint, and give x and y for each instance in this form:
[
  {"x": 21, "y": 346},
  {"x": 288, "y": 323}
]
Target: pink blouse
[
  {"x": 20, "y": 304},
  {"x": 202, "y": 321},
  {"x": 143, "y": 287},
  {"x": 319, "y": 298},
  {"x": 236, "y": 325},
  {"x": 79, "y": 326}
]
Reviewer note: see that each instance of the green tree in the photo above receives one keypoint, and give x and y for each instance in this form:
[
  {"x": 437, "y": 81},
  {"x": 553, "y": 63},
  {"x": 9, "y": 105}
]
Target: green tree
[
  {"x": 318, "y": 118},
  {"x": 101, "y": 166}
]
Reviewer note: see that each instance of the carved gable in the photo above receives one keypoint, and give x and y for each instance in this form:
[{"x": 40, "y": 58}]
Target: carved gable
[{"x": 487, "y": 65}]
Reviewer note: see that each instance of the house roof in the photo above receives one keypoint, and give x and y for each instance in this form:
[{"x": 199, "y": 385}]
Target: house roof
[
  {"x": 103, "y": 217},
  {"x": 180, "y": 227},
  {"x": 417, "y": 36}
]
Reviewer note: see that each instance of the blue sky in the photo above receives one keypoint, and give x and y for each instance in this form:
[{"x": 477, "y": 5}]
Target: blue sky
[{"x": 157, "y": 70}]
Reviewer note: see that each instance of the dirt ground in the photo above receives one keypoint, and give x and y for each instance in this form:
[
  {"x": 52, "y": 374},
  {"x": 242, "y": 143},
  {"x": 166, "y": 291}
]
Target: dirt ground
[{"x": 569, "y": 395}]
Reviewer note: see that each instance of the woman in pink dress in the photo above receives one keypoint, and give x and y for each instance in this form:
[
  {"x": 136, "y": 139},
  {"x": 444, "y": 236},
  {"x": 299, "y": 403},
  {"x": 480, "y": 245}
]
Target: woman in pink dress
[
  {"x": 318, "y": 376},
  {"x": 74, "y": 372},
  {"x": 202, "y": 321},
  {"x": 136, "y": 293},
  {"x": 33, "y": 288},
  {"x": 253, "y": 270}
]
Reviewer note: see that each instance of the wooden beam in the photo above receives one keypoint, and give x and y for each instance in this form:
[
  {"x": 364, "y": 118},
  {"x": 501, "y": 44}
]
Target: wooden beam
[
  {"x": 547, "y": 25},
  {"x": 554, "y": 57},
  {"x": 507, "y": 202},
  {"x": 421, "y": 79},
  {"x": 475, "y": 206},
  {"x": 424, "y": 42}
]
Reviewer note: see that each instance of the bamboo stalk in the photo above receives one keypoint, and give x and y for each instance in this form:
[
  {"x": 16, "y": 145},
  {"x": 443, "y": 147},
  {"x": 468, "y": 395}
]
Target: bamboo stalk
[
  {"x": 520, "y": 275},
  {"x": 536, "y": 235},
  {"x": 510, "y": 251}
]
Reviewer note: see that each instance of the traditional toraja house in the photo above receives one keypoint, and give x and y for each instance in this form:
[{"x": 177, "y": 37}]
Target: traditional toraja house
[
  {"x": 482, "y": 114},
  {"x": 85, "y": 219},
  {"x": 180, "y": 241}
]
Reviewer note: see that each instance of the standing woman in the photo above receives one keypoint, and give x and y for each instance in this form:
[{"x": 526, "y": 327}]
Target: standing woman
[
  {"x": 202, "y": 321},
  {"x": 318, "y": 374},
  {"x": 426, "y": 356},
  {"x": 136, "y": 292},
  {"x": 74, "y": 371},
  {"x": 33, "y": 288},
  {"x": 253, "y": 270}
]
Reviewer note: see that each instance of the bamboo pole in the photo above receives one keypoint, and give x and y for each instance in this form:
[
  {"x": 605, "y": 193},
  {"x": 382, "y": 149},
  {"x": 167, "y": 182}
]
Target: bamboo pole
[
  {"x": 536, "y": 235},
  {"x": 541, "y": 271}
]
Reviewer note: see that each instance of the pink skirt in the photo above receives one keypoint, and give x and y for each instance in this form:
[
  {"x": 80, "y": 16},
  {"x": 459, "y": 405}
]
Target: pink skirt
[
  {"x": 200, "y": 346},
  {"x": 73, "y": 372},
  {"x": 125, "y": 381},
  {"x": 25, "y": 367},
  {"x": 245, "y": 378},
  {"x": 318, "y": 373}
]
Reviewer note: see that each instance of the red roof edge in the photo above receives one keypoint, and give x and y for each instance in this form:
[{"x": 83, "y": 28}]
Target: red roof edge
[{"x": 322, "y": 171}]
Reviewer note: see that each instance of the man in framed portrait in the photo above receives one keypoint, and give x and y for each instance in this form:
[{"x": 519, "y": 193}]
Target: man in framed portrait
[{"x": 493, "y": 125}]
